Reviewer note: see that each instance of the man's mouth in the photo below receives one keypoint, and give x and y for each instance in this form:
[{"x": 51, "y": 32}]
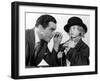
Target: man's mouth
[{"x": 71, "y": 33}]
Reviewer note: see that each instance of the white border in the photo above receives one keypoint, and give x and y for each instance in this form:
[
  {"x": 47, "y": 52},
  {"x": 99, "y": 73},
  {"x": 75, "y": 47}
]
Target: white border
[{"x": 53, "y": 70}]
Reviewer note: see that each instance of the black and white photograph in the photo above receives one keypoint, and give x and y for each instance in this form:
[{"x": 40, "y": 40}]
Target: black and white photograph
[
  {"x": 73, "y": 51},
  {"x": 53, "y": 40}
]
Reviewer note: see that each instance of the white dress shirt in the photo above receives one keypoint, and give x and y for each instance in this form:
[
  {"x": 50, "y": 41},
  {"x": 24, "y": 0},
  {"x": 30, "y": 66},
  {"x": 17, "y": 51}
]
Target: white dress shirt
[{"x": 43, "y": 62}]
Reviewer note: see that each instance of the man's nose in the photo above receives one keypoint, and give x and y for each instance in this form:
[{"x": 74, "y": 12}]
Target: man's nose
[{"x": 53, "y": 33}]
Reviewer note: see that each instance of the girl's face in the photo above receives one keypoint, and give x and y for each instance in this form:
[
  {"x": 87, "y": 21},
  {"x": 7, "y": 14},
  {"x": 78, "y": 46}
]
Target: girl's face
[{"x": 74, "y": 31}]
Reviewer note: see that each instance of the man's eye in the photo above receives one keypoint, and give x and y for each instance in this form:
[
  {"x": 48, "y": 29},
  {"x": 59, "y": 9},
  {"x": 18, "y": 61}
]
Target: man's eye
[{"x": 52, "y": 29}]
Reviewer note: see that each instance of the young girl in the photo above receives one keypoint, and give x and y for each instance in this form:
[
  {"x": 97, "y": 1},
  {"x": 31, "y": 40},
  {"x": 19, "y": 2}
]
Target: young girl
[{"x": 74, "y": 51}]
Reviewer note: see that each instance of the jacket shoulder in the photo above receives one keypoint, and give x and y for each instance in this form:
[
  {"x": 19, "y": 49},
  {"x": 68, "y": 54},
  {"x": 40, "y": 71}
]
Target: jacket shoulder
[
  {"x": 29, "y": 34},
  {"x": 85, "y": 45},
  {"x": 82, "y": 45}
]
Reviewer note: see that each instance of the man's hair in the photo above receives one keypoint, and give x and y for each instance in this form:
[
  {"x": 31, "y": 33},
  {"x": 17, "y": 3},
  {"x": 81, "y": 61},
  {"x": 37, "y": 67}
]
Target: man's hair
[{"x": 44, "y": 20}]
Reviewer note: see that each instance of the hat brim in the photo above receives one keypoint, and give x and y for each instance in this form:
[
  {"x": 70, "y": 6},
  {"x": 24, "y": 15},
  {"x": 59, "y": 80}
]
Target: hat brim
[{"x": 67, "y": 27}]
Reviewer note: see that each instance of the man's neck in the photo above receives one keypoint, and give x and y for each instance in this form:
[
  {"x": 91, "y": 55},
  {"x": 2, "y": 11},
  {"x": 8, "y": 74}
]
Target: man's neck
[{"x": 37, "y": 38}]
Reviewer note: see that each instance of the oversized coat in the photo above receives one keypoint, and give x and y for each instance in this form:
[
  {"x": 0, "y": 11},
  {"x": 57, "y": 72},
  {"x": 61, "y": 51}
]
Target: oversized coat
[{"x": 76, "y": 56}]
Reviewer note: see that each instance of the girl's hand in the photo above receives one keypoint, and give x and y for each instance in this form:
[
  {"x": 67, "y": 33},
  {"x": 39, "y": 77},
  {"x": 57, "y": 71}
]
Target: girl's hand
[
  {"x": 60, "y": 55},
  {"x": 70, "y": 44}
]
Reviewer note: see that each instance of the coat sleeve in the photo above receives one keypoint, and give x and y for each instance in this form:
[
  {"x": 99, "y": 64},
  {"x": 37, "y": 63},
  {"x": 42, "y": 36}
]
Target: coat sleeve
[
  {"x": 79, "y": 57},
  {"x": 52, "y": 57},
  {"x": 26, "y": 49}
]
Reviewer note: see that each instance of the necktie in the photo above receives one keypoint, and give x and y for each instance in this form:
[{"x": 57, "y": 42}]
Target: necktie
[
  {"x": 41, "y": 49},
  {"x": 37, "y": 48}
]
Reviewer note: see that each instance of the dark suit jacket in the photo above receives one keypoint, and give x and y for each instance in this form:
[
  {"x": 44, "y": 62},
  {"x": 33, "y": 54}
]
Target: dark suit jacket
[
  {"x": 29, "y": 51},
  {"x": 77, "y": 56}
]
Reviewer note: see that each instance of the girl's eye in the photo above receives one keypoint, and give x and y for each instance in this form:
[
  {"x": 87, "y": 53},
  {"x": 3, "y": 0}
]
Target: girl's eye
[{"x": 73, "y": 27}]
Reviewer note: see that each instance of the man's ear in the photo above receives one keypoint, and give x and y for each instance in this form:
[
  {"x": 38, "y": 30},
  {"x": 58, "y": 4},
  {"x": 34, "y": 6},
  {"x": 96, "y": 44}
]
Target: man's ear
[{"x": 40, "y": 27}]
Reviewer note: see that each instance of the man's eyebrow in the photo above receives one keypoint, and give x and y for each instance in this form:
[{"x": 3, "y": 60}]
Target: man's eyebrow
[{"x": 52, "y": 28}]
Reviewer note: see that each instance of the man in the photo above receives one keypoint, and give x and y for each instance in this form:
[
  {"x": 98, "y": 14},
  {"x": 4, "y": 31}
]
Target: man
[{"x": 36, "y": 42}]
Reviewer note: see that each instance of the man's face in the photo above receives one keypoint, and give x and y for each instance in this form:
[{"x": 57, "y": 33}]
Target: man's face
[
  {"x": 48, "y": 32},
  {"x": 74, "y": 31}
]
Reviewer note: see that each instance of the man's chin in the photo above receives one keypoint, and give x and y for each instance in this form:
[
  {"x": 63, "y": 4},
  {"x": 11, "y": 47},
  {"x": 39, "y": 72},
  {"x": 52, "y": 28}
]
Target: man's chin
[{"x": 48, "y": 40}]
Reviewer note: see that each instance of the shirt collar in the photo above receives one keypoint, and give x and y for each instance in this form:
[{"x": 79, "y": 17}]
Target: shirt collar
[{"x": 36, "y": 36}]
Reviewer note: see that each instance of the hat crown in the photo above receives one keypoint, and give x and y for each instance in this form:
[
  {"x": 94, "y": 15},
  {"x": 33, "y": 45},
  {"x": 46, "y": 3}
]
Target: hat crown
[{"x": 75, "y": 20}]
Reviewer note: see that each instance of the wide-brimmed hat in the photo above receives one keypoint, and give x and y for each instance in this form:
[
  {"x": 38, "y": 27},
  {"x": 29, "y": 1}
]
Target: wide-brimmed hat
[{"x": 75, "y": 21}]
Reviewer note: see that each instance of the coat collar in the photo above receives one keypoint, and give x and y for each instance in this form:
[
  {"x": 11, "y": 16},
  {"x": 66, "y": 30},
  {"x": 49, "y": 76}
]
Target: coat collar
[{"x": 79, "y": 44}]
